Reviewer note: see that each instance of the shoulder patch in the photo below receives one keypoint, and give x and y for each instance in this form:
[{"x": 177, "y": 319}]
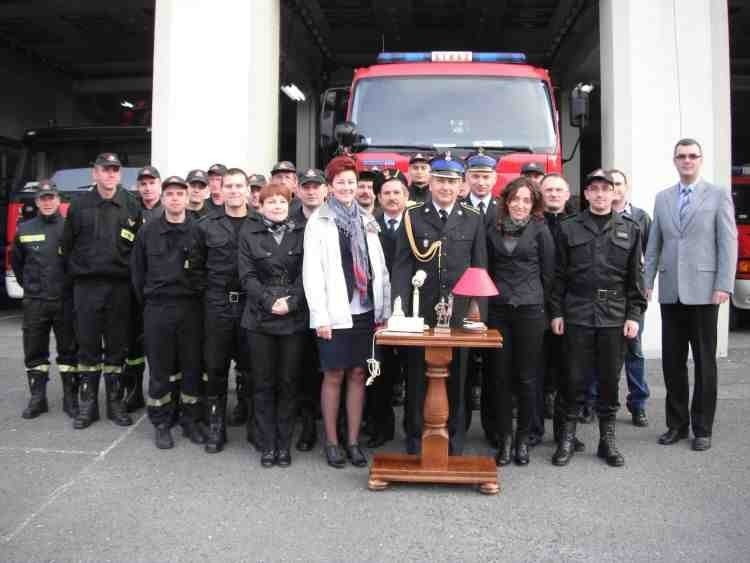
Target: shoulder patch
[{"x": 469, "y": 207}]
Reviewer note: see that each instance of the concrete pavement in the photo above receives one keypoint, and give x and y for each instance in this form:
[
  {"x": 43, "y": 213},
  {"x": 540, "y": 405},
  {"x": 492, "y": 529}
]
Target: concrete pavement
[{"x": 107, "y": 494}]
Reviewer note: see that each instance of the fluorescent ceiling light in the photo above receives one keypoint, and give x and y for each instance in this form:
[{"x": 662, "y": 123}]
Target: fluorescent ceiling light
[
  {"x": 293, "y": 92},
  {"x": 127, "y": 104}
]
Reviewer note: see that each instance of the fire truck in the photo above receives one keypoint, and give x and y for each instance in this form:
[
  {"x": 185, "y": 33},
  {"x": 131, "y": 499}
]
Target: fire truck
[
  {"x": 64, "y": 154},
  {"x": 740, "y": 306},
  {"x": 460, "y": 102}
]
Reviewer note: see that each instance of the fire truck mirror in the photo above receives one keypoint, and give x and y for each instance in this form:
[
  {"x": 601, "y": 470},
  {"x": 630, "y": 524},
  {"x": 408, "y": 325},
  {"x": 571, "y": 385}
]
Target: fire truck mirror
[{"x": 579, "y": 105}]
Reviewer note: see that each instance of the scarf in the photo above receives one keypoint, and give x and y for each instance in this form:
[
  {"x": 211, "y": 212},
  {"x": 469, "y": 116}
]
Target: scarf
[
  {"x": 349, "y": 221},
  {"x": 278, "y": 228},
  {"x": 513, "y": 227}
]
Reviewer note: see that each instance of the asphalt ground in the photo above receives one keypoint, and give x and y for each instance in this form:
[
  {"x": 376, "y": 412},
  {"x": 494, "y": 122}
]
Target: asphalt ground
[{"x": 107, "y": 494}]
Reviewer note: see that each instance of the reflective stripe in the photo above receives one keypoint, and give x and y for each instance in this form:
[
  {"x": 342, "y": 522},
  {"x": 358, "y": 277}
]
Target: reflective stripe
[
  {"x": 41, "y": 368},
  {"x": 111, "y": 369},
  {"x": 135, "y": 361},
  {"x": 205, "y": 377},
  {"x": 85, "y": 368},
  {"x": 165, "y": 400},
  {"x": 127, "y": 235},
  {"x": 32, "y": 238},
  {"x": 65, "y": 368},
  {"x": 176, "y": 377},
  {"x": 188, "y": 399}
]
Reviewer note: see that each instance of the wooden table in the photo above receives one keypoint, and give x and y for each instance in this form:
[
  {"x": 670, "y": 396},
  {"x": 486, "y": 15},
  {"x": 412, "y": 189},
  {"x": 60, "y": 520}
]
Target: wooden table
[{"x": 435, "y": 465}]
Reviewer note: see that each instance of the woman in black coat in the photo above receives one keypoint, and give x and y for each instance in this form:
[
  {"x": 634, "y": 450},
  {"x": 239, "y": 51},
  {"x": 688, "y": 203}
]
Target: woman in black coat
[
  {"x": 276, "y": 318},
  {"x": 521, "y": 262}
]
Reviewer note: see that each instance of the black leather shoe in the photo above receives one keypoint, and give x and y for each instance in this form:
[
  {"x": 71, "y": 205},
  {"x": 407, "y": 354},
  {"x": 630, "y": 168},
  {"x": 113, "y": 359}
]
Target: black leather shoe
[
  {"x": 534, "y": 440},
  {"x": 522, "y": 451},
  {"x": 356, "y": 455},
  {"x": 701, "y": 443},
  {"x": 505, "y": 452},
  {"x": 639, "y": 418},
  {"x": 672, "y": 436},
  {"x": 194, "y": 431},
  {"x": 334, "y": 456},
  {"x": 284, "y": 458},
  {"x": 163, "y": 437},
  {"x": 268, "y": 458}
]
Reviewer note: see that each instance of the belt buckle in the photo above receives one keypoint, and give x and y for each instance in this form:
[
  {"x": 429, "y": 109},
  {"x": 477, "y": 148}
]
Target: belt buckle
[
  {"x": 234, "y": 296},
  {"x": 602, "y": 294}
]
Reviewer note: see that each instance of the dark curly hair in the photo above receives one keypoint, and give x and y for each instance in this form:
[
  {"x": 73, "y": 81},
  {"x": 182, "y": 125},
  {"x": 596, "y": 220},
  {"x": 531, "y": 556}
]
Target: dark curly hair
[{"x": 510, "y": 191}]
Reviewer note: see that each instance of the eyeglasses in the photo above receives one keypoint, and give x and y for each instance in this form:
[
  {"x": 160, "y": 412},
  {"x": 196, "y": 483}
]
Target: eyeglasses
[{"x": 690, "y": 156}]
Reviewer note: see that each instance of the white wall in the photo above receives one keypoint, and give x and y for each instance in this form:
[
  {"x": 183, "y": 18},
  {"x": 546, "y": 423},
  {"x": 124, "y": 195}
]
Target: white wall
[
  {"x": 216, "y": 84},
  {"x": 665, "y": 75}
]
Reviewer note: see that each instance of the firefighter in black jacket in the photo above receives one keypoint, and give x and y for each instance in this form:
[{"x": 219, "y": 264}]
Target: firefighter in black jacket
[
  {"x": 99, "y": 234},
  {"x": 596, "y": 302},
  {"x": 442, "y": 237},
  {"x": 214, "y": 258},
  {"x": 172, "y": 314},
  {"x": 47, "y": 302}
]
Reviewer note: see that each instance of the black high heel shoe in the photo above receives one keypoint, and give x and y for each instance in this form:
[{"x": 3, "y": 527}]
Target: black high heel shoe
[
  {"x": 334, "y": 456},
  {"x": 356, "y": 455}
]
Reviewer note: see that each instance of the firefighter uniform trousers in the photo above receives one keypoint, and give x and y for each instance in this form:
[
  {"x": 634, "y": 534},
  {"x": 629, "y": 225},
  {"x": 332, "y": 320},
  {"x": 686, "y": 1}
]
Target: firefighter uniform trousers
[
  {"x": 225, "y": 339},
  {"x": 173, "y": 338}
]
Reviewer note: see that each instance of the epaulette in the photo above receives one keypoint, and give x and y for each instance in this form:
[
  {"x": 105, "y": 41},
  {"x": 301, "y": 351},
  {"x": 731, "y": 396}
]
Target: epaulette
[
  {"x": 411, "y": 204},
  {"x": 469, "y": 207}
]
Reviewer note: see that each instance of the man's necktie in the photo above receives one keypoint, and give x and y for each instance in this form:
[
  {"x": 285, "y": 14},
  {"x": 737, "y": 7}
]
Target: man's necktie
[
  {"x": 481, "y": 207},
  {"x": 443, "y": 216},
  {"x": 685, "y": 194},
  {"x": 391, "y": 227}
]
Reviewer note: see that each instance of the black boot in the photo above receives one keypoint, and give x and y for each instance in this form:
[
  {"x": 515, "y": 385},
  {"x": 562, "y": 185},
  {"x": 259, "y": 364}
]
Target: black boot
[
  {"x": 238, "y": 416},
  {"x": 115, "y": 407},
  {"x": 308, "y": 435},
  {"x": 88, "y": 404},
  {"x": 192, "y": 427},
  {"x": 607, "y": 447},
  {"x": 38, "y": 401},
  {"x": 70, "y": 393},
  {"x": 163, "y": 437},
  {"x": 558, "y": 423},
  {"x": 566, "y": 445},
  {"x": 133, "y": 385},
  {"x": 505, "y": 452},
  {"x": 522, "y": 449},
  {"x": 217, "y": 434}
]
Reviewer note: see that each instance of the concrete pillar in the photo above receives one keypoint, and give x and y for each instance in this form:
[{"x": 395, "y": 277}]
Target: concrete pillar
[
  {"x": 665, "y": 75},
  {"x": 307, "y": 132},
  {"x": 216, "y": 84},
  {"x": 570, "y": 134}
]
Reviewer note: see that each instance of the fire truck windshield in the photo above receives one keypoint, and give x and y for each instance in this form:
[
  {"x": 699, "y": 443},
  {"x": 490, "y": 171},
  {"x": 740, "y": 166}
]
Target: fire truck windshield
[{"x": 460, "y": 111}]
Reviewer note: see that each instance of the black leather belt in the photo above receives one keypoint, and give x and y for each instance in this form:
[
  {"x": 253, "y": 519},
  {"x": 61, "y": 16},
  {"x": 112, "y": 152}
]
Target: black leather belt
[{"x": 598, "y": 294}]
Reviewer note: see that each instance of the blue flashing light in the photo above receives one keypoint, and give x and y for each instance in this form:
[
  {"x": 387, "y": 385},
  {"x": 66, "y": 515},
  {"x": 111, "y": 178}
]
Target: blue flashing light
[{"x": 451, "y": 56}]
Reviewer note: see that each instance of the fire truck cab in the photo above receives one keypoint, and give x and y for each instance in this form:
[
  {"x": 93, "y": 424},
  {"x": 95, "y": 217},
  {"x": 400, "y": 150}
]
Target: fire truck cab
[{"x": 740, "y": 306}]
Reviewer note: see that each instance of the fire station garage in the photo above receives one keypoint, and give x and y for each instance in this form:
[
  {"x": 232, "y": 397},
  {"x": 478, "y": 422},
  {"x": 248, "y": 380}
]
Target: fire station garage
[{"x": 249, "y": 83}]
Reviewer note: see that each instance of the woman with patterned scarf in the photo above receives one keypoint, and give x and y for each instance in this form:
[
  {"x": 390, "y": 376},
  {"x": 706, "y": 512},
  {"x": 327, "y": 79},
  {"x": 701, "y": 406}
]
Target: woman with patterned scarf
[{"x": 348, "y": 292}]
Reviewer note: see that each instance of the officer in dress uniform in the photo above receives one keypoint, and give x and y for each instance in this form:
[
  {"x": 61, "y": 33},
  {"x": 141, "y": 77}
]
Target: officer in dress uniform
[
  {"x": 596, "y": 302},
  {"x": 47, "y": 302},
  {"x": 480, "y": 179},
  {"x": 214, "y": 258},
  {"x": 149, "y": 197},
  {"x": 419, "y": 176},
  {"x": 442, "y": 237},
  {"x": 98, "y": 237},
  {"x": 173, "y": 327}
]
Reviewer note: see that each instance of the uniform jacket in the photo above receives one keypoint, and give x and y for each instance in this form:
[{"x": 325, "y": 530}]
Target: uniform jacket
[
  {"x": 388, "y": 240},
  {"x": 99, "y": 234},
  {"x": 463, "y": 245},
  {"x": 644, "y": 223},
  {"x": 490, "y": 214},
  {"x": 213, "y": 254},
  {"x": 36, "y": 259},
  {"x": 160, "y": 264},
  {"x": 419, "y": 194},
  {"x": 523, "y": 276},
  {"x": 269, "y": 270},
  {"x": 323, "y": 276},
  {"x": 701, "y": 256},
  {"x": 588, "y": 261}
]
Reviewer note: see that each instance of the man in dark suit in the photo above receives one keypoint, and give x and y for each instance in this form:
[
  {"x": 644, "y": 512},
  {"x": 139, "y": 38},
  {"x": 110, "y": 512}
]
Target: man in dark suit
[
  {"x": 391, "y": 187},
  {"x": 481, "y": 178},
  {"x": 442, "y": 237},
  {"x": 693, "y": 244}
]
